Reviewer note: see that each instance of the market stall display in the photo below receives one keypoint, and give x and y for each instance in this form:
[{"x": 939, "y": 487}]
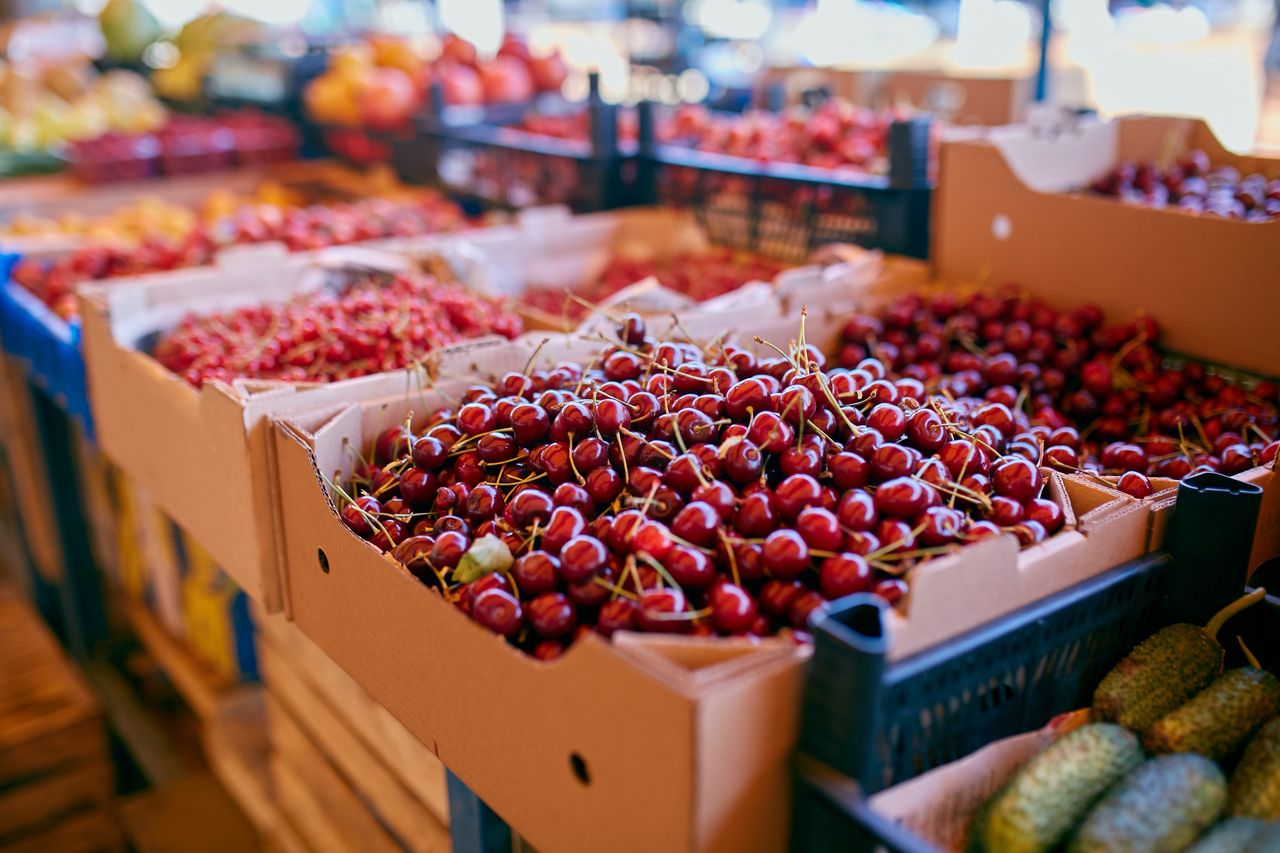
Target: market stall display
[{"x": 817, "y": 477}]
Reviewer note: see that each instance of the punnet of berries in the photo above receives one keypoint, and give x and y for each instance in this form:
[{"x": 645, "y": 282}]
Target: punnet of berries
[{"x": 704, "y": 490}]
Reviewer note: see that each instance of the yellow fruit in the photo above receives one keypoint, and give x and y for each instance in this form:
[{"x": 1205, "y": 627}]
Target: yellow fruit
[{"x": 331, "y": 99}]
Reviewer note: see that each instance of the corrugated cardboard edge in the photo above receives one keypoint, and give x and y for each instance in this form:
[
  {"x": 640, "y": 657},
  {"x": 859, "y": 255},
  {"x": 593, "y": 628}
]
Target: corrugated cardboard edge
[{"x": 991, "y": 578}]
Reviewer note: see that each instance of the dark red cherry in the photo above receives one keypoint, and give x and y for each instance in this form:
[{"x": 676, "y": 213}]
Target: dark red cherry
[
  {"x": 551, "y": 615},
  {"x": 616, "y": 615},
  {"x": 733, "y": 610},
  {"x": 795, "y": 493},
  {"x": 1135, "y": 484},
  {"x": 904, "y": 497},
  {"x": 889, "y": 420},
  {"x": 581, "y": 558},
  {"x": 786, "y": 554},
  {"x": 660, "y": 610},
  {"x": 530, "y": 505},
  {"x": 565, "y": 523},
  {"x": 499, "y": 611},
  {"x": 819, "y": 528},
  {"x": 844, "y": 574},
  {"x": 1017, "y": 478},
  {"x": 429, "y": 453},
  {"x": 857, "y": 511},
  {"x": 696, "y": 523},
  {"x": 925, "y": 430},
  {"x": 756, "y": 515},
  {"x": 536, "y": 572},
  {"x": 689, "y": 568}
]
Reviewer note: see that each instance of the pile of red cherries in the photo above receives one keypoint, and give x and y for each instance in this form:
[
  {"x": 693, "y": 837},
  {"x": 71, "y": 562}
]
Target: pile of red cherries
[
  {"x": 1194, "y": 185},
  {"x": 376, "y": 324},
  {"x": 673, "y": 488},
  {"x": 1071, "y": 391}
]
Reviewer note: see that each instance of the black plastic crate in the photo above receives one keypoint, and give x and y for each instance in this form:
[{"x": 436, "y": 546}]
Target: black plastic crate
[
  {"x": 471, "y": 153},
  {"x": 787, "y": 210},
  {"x": 868, "y": 724}
]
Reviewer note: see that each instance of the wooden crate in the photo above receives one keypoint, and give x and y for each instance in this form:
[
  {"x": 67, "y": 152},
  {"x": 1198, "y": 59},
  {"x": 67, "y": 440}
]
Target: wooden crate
[
  {"x": 237, "y": 749},
  {"x": 56, "y": 776},
  {"x": 338, "y": 759}
]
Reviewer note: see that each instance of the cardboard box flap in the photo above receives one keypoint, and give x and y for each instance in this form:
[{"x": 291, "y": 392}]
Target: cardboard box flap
[
  {"x": 1054, "y": 162},
  {"x": 939, "y": 805}
]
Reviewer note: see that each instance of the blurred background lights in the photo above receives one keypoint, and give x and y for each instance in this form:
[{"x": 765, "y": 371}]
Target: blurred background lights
[
  {"x": 730, "y": 19},
  {"x": 478, "y": 21},
  {"x": 859, "y": 32},
  {"x": 992, "y": 33}
]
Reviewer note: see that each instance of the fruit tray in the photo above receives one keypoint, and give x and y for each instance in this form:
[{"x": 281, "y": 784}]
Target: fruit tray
[
  {"x": 1067, "y": 642},
  {"x": 1173, "y": 330},
  {"x": 1008, "y": 210},
  {"x": 787, "y": 210},
  {"x": 220, "y": 493},
  {"x": 379, "y": 622}
]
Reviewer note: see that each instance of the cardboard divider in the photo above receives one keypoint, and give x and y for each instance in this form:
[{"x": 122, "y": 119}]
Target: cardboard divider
[{"x": 1004, "y": 213}]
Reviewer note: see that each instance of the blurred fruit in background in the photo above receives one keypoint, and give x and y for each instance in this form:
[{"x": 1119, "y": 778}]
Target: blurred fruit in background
[
  {"x": 198, "y": 43},
  {"x": 40, "y": 109},
  {"x": 383, "y": 81},
  {"x": 128, "y": 28}
]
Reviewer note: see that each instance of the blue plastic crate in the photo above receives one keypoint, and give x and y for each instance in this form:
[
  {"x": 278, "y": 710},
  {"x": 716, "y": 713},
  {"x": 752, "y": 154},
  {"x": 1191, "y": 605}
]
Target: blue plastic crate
[{"x": 47, "y": 346}]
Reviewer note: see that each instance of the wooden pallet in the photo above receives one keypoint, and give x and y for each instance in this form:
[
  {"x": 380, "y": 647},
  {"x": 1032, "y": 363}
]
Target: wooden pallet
[
  {"x": 320, "y": 718},
  {"x": 56, "y": 775},
  {"x": 236, "y": 746}
]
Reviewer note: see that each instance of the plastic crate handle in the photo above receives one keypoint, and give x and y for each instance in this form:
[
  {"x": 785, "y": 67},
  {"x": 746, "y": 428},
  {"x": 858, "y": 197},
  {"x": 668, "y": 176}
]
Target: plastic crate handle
[{"x": 1211, "y": 532}]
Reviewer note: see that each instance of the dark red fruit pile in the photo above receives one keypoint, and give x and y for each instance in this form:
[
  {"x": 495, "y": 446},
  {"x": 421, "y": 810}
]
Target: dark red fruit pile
[
  {"x": 679, "y": 490},
  {"x": 1194, "y": 185},
  {"x": 698, "y": 275},
  {"x": 299, "y": 229},
  {"x": 376, "y": 325},
  {"x": 1071, "y": 391}
]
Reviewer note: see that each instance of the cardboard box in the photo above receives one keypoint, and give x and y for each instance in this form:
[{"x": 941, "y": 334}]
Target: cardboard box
[
  {"x": 202, "y": 455},
  {"x": 455, "y": 685},
  {"x": 549, "y": 247},
  {"x": 939, "y": 805},
  {"x": 1006, "y": 211},
  {"x": 220, "y": 492}
]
